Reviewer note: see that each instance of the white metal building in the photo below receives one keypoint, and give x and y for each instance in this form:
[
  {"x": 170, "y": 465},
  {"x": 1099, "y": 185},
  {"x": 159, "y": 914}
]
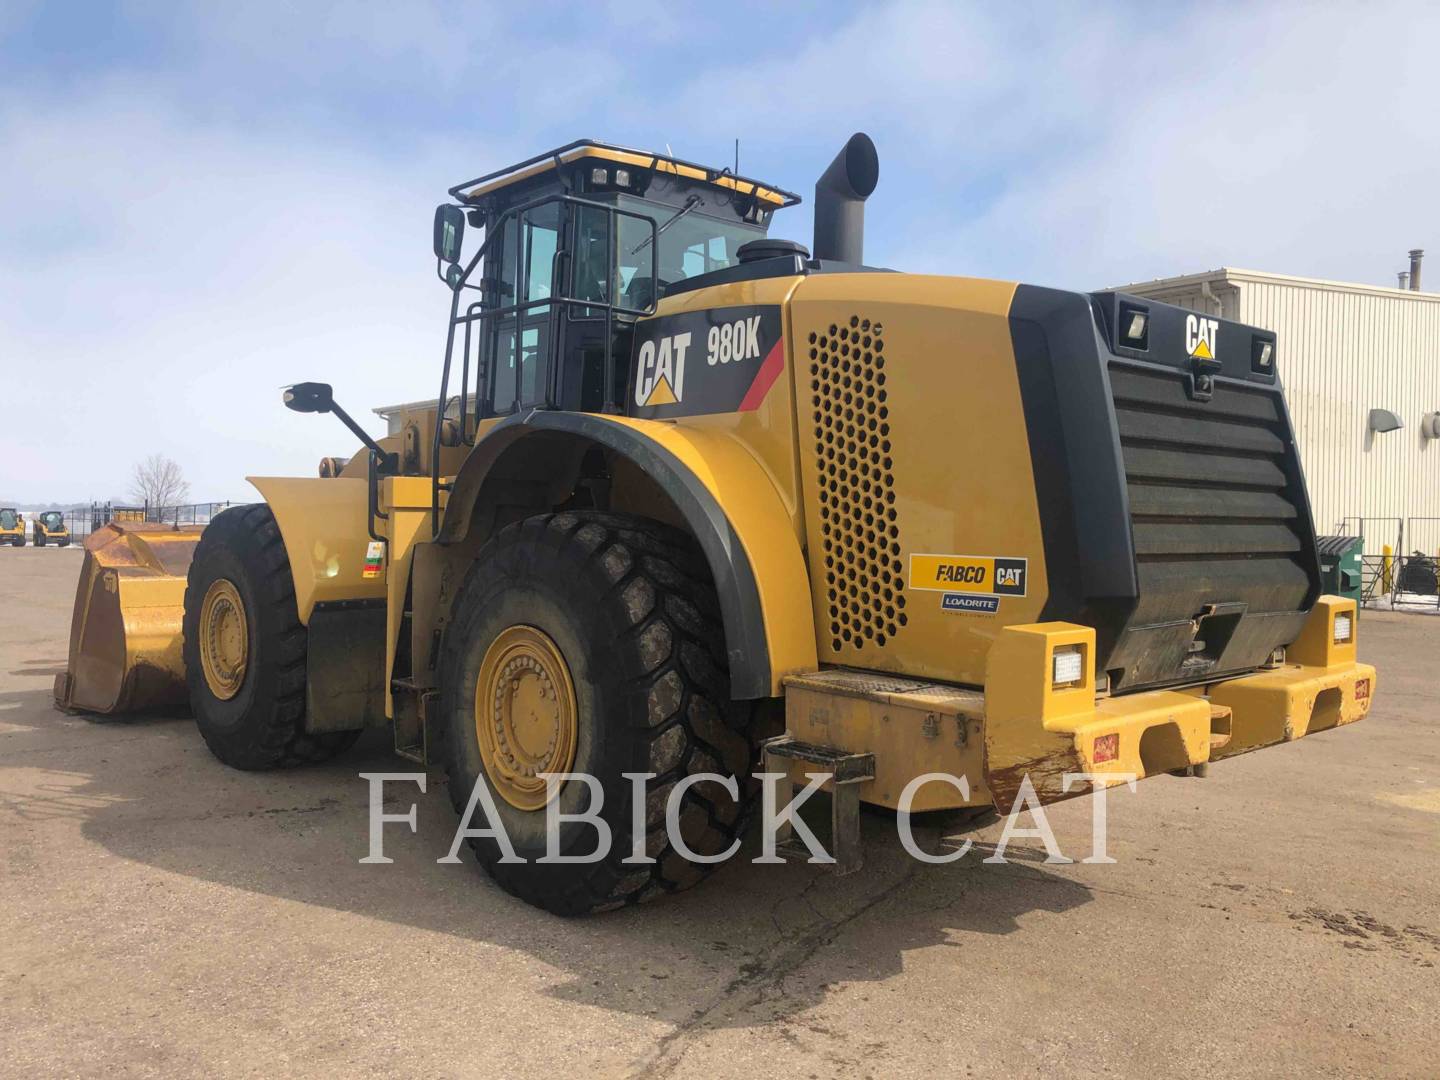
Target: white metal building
[{"x": 1344, "y": 350}]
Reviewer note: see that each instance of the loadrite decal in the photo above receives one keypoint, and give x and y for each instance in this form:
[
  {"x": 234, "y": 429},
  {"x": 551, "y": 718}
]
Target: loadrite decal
[
  {"x": 954, "y": 601},
  {"x": 715, "y": 361},
  {"x": 979, "y": 574},
  {"x": 1200, "y": 337}
]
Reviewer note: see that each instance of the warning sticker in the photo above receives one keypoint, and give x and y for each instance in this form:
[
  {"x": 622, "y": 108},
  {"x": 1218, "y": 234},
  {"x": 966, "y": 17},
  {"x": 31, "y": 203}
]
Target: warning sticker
[
  {"x": 374, "y": 560},
  {"x": 993, "y": 574}
]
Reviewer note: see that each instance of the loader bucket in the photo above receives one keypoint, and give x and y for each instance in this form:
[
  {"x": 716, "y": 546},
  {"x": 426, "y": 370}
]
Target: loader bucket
[{"x": 125, "y": 632}]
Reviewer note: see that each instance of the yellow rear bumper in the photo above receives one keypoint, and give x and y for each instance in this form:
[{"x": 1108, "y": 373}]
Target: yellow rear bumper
[
  {"x": 1062, "y": 741},
  {"x": 1036, "y": 731}
]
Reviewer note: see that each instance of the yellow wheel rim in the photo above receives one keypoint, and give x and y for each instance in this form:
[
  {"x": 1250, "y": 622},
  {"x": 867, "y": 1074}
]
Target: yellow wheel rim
[
  {"x": 224, "y": 639},
  {"x": 525, "y": 715}
]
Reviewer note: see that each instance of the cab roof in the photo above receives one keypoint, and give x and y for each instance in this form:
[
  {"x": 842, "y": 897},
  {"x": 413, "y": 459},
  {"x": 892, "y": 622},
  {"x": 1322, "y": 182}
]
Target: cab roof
[{"x": 473, "y": 190}]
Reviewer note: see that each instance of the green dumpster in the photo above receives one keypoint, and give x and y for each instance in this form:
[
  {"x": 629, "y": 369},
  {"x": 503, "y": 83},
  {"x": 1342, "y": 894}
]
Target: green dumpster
[{"x": 1340, "y": 564}]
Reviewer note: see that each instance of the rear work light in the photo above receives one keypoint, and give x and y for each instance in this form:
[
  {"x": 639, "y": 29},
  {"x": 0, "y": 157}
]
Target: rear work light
[
  {"x": 1134, "y": 327},
  {"x": 1262, "y": 356},
  {"x": 1067, "y": 667},
  {"x": 1343, "y": 629}
]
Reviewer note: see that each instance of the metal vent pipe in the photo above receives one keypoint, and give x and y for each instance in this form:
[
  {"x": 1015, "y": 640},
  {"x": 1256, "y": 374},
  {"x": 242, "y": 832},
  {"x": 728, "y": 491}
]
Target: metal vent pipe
[{"x": 840, "y": 196}]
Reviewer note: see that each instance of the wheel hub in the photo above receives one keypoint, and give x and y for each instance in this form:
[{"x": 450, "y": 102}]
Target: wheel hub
[
  {"x": 224, "y": 639},
  {"x": 525, "y": 715}
]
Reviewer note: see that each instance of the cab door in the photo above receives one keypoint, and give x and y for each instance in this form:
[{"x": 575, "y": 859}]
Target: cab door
[{"x": 521, "y": 335}]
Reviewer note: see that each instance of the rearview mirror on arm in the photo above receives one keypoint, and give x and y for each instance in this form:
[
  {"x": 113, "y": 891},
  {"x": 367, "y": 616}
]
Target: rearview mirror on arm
[
  {"x": 449, "y": 232},
  {"x": 309, "y": 397}
]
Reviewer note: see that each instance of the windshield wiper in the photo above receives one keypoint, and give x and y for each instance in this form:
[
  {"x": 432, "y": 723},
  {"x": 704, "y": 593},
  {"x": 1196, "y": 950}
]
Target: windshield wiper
[{"x": 690, "y": 204}]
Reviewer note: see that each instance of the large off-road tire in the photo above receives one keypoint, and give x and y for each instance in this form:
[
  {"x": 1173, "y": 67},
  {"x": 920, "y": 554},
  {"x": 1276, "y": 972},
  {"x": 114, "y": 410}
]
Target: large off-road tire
[
  {"x": 245, "y": 648},
  {"x": 602, "y": 633}
]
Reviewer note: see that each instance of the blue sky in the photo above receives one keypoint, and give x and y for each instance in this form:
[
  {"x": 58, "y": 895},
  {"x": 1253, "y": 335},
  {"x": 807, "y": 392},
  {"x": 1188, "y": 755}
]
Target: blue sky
[{"x": 204, "y": 202}]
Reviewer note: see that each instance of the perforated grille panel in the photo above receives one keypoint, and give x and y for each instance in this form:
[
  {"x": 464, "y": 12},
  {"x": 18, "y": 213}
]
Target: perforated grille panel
[{"x": 864, "y": 574}]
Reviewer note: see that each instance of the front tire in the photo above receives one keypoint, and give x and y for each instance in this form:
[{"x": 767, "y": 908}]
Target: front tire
[
  {"x": 591, "y": 643},
  {"x": 245, "y": 649}
]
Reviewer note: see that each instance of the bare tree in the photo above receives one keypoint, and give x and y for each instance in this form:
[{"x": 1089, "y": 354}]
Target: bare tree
[{"x": 158, "y": 482}]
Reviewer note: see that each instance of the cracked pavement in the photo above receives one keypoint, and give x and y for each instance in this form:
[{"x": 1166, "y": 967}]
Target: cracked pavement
[{"x": 161, "y": 914}]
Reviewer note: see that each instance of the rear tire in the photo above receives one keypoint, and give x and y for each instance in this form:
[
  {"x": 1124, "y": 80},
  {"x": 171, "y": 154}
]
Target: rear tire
[
  {"x": 245, "y": 668},
  {"x": 628, "y": 607}
]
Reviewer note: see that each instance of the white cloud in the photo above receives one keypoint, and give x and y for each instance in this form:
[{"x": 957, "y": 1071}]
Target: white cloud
[
  {"x": 1082, "y": 144},
  {"x": 178, "y": 275},
  {"x": 1296, "y": 149},
  {"x": 254, "y": 207}
]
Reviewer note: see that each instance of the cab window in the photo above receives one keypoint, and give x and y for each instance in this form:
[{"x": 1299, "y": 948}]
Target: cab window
[
  {"x": 695, "y": 242},
  {"x": 520, "y": 342}
]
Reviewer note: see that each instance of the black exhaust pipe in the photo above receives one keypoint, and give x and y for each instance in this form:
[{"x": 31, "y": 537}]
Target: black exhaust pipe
[{"x": 840, "y": 196}]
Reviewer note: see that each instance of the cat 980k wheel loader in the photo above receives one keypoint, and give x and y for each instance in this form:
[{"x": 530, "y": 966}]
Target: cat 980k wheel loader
[{"x": 686, "y": 489}]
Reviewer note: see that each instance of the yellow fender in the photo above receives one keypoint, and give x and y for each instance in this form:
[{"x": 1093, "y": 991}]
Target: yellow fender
[
  {"x": 731, "y": 506},
  {"x": 325, "y": 526}
]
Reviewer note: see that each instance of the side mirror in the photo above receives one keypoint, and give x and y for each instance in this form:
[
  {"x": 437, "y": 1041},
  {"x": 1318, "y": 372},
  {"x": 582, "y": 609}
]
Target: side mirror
[
  {"x": 309, "y": 397},
  {"x": 449, "y": 232}
]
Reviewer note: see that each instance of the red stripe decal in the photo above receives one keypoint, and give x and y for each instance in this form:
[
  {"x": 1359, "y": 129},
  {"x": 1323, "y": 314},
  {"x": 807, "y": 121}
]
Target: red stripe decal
[{"x": 770, "y": 369}]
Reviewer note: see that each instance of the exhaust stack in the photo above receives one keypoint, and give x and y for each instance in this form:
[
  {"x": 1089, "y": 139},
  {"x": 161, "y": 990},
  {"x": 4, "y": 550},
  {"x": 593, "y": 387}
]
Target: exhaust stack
[
  {"x": 1416, "y": 254},
  {"x": 840, "y": 196}
]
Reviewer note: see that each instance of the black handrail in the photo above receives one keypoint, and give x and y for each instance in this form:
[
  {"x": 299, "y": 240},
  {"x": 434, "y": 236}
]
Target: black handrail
[{"x": 373, "y": 496}]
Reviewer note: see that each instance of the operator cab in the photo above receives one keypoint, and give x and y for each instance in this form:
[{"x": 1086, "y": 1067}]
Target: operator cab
[{"x": 578, "y": 243}]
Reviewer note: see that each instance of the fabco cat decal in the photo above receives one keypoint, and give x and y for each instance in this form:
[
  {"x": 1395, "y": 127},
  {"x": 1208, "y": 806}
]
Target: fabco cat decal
[
  {"x": 714, "y": 361},
  {"x": 973, "y": 583}
]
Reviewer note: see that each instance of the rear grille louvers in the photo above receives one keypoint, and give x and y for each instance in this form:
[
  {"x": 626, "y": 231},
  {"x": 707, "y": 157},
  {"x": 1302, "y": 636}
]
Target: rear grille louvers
[
  {"x": 1212, "y": 489},
  {"x": 864, "y": 574}
]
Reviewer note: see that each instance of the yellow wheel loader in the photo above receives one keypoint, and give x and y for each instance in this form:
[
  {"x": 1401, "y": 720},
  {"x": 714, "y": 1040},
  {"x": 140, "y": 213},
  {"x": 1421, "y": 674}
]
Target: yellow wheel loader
[
  {"x": 12, "y": 527},
  {"x": 49, "y": 528},
  {"x": 687, "y": 492}
]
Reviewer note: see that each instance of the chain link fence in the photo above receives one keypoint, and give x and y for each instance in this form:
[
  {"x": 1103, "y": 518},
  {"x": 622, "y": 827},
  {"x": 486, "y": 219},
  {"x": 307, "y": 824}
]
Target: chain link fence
[
  {"x": 83, "y": 522},
  {"x": 1400, "y": 564}
]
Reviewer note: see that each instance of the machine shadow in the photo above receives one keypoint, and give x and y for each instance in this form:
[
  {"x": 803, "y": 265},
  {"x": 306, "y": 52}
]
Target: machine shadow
[{"x": 754, "y": 943}]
